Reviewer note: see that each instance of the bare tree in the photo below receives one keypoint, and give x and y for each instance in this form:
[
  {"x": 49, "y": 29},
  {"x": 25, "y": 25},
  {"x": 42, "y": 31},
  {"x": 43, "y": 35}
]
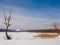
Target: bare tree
[
  {"x": 55, "y": 24},
  {"x": 7, "y": 23}
]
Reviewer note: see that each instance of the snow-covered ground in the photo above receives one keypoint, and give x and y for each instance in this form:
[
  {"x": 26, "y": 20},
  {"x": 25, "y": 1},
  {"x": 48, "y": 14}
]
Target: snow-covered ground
[
  {"x": 21, "y": 35},
  {"x": 25, "y": 38},
  {"x": 31, "y": 42}
]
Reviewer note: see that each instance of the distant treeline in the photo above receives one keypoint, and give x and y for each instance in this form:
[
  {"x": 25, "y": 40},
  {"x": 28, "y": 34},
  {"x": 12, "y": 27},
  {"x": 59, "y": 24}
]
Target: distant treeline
[
  {"x": 3, "y": 30},
  {"x": 44, "y": 30},
  {"x": 38, "y": 30}
]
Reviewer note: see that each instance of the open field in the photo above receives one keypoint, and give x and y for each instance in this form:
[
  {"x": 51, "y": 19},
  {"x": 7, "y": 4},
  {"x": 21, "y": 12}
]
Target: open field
[
  {"x": 26, "y": 38},
  {"x": 27, "y": 35},
  {"x": 31, "y": 42}
]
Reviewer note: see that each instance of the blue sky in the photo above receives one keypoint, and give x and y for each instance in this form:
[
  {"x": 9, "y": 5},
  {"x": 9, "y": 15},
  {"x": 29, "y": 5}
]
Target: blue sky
[{"x": 31, "y": 14}]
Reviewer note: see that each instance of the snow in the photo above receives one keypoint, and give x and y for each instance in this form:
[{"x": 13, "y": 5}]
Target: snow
[
  {"x": 31, "y": 42},
  {"x": 25, "y": 38},
  {"x": 20, "y": 35}
]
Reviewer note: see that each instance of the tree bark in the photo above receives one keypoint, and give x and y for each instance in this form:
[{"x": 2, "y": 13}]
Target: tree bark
[{"x": 8, "y": 37}]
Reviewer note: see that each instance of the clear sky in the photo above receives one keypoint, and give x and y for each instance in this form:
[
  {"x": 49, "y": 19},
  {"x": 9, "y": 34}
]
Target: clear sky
[{"x": 31, "y": 14}]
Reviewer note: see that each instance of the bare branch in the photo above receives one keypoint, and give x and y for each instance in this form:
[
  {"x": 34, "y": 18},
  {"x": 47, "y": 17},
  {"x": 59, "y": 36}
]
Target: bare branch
[
  {"x": 55, "y": 25},
  {"x": 9, "y": 16},
  {"x": 7, "y": 20},
  {"x": 4, "y": 23},
  {"x": 5, "y": 16}
]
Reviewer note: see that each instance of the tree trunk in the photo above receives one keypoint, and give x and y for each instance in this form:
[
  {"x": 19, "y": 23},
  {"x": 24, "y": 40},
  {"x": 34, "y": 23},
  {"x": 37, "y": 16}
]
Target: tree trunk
[
  {"x": 57, "y": 30},
  {"x": 8, "y": 37}
]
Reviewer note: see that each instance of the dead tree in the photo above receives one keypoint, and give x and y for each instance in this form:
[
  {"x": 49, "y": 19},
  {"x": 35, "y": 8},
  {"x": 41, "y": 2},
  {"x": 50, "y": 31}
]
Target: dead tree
[
  {"x": 56, "y": 27},
  {"x": 7, "y": 24}
]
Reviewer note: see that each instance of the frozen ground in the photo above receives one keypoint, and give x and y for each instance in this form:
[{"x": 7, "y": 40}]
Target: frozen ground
[
  {"x": 25, "y": 38},
  {"x": 31, "y": 42},
  {"x": 21, "y": 35}
]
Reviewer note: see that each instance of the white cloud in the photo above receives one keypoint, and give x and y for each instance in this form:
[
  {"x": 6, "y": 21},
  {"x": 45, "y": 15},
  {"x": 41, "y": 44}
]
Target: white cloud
[
  {"x": 26, "y": 22},
  {"x": 20, "y": 20}
]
